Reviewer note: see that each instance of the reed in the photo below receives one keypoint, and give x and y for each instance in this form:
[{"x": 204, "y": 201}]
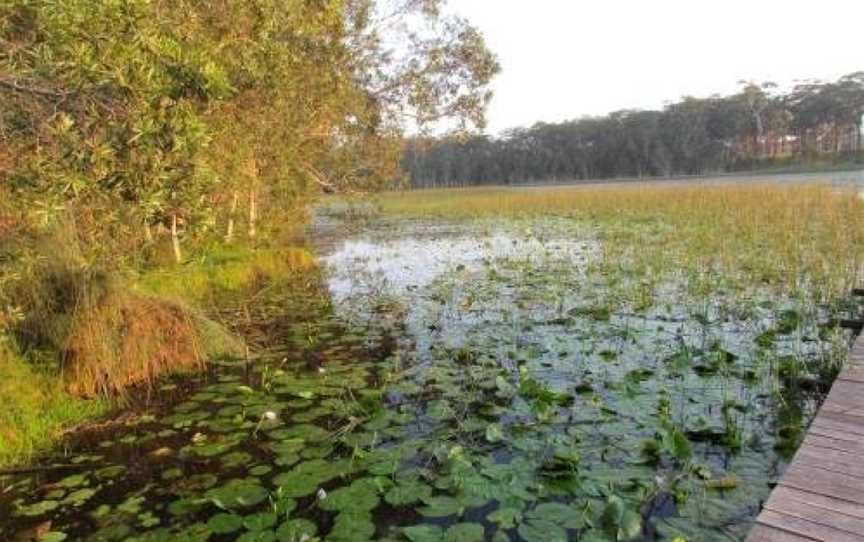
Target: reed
[{"x": 796, "y": 237}]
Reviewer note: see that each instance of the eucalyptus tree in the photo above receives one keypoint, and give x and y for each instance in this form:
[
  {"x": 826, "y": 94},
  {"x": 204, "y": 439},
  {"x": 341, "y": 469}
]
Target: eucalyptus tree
[
  {"x": 755, "y": 126},
  {"x": 176, "y": 112}
]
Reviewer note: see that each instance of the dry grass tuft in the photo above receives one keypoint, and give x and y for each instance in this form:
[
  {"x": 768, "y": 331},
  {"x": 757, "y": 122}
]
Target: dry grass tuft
[{"x": 124, "y": 339}]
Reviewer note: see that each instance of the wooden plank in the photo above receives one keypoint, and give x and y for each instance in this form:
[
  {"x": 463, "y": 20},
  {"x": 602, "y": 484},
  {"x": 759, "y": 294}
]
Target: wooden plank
[
  {"x": 833, "y": 442},
  {"x": 857, "y": 412},
  {"x": 807, "y": 528},
  {"x": 820, "y": 515},
  {"x": 853, "y": 373},
  {"x": 826, "y": 421},
  {"x": 825, "y": 483},
  {"x": 842, "y": 436},
  {"x": 814, "y": 451},
  {"x": 823, "y": 461},
  {"x": 821, "y": 495},
  {"x": 849, "y": 390},
  {"x": 818, "y": 501},
  {"x": 764, "y": 533}
]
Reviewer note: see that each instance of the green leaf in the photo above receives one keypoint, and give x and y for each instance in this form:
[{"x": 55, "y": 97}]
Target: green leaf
[
  {"x": 307, "y": 477},
  {"x": 295, "y": 529},
  {"x": 440, "y": 507},
  {"x": 237, "y": 494},
  {"x": 360, "y": 496},
  {"x": 678, "y": 445},
  {"x": 424, "y": 533},
  {"x": 465, "y": 532},
  {"x": 259, "y": 521},
  {"x": 352, "y": 527},
  {"x": 408, "y": 492},
  {"x": 39, "y": 508},
  {"x": 505, "y": 518},
  {"x": 542, "y": 531},
  {"x": 80, "y": 496},
  {"x": 494, "y": 433},
  {"x": 557, "y": 513},
  {"x": 619, "y": 521},
  {"x": 258, "y": 536},
  {"x": 223, "y": 523}
]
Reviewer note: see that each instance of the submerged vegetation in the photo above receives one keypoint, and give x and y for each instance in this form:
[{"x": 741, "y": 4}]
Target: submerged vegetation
[
  {"x": 608, "y": 364},
  {"x": 182, "y": 358}
]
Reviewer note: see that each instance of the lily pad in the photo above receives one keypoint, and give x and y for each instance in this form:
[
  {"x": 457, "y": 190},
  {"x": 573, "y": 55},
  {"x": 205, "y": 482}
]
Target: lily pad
[
  {"x": 352, "y": 527},
  {"x": 224, "y": 523},
  {"x": 441, "y": 506},
  {"x": 360, "y": 496},
  {"x": 307, "y": 477},
  {"x": 465, "y": 532},
  {"x": 408, "y": 492},
  {"x": 237, "y": 494},
  {"x": 542, "y": 531},
  {"x": 260, "y": 521},
  {"x": 39, "y": 508},
  {"x": 424, "y": 533},
  {"x": 294, "y": 530}
]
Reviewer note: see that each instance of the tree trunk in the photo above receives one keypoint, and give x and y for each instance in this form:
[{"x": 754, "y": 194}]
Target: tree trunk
[
  {"x": 148, "y": 233},
  {"x": 175, "y": 239},
  {"x": 253, "y": 213},
  {"x": 229, "y": 235}
]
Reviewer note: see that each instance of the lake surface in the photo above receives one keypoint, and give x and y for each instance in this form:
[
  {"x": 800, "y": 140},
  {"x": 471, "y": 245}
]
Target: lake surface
[{"x": 466, "y": 381}]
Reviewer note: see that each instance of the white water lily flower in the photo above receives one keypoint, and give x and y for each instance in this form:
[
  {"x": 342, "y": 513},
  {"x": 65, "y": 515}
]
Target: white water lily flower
[
  {"x": 322, "y": 370},
  {"x": 269, "y": 415},
  {"x": 321, "y": 494}
]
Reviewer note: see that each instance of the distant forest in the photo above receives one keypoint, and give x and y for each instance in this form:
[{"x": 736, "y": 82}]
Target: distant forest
[{"x": 757, "y": 127}]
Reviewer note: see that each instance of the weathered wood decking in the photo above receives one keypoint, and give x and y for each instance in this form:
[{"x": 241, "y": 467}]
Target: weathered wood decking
[{"x": 821, "y": 495}]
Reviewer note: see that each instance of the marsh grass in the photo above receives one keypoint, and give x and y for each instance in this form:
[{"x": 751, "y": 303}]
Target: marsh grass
[
  {"x": 36, "y": 407},
  {"x": 799, "y": 238},
  {"x": 224, "y": 271}
]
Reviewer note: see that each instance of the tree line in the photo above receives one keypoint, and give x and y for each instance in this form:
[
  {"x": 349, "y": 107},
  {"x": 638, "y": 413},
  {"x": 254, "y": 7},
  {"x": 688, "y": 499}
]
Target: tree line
[
  {"x": 755, "y": 127},
  {"x": 138, "y": 118}
]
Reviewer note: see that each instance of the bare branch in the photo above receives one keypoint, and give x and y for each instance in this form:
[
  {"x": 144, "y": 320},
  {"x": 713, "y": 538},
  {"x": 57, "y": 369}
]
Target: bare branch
[{"x": 17, "y": 86}]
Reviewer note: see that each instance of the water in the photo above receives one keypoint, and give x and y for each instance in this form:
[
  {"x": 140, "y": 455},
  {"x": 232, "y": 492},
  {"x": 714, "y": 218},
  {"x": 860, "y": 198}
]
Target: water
[{"x": 466, "y": 382}]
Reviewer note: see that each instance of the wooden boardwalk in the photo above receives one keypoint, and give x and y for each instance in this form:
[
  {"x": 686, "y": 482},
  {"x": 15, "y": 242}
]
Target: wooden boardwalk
[{"x": 821, "y": 495}]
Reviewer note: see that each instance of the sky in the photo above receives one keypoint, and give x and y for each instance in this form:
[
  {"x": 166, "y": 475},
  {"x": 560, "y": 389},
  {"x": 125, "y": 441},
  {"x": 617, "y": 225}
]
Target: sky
[{"x": 563, "y": 59}]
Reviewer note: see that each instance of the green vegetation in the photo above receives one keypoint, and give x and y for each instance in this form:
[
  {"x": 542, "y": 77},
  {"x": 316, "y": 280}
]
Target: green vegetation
[
  {"x": 815, "y": 125},
  {"x": 804, "y": 239},
  {"x": 35, "y": 407},
  {"x": 614, "y": 364},
  {"x": 152, "y": 154},
  {"x": 481, "y": 365}
]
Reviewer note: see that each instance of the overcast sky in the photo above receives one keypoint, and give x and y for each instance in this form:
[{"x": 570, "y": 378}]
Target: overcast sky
[{"x": 562, "y": 59}]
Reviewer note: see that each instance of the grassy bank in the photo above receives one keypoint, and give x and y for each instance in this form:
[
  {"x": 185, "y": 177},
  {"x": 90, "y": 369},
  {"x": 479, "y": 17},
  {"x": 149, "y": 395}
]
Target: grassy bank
[
  {"x": 42, "y": 400},
  {"x": 36, "y": 407}
]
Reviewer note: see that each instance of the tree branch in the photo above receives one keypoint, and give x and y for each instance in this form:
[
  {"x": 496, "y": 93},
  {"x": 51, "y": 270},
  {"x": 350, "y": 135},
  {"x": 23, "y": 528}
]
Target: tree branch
[{"x": 17, "y": 86}]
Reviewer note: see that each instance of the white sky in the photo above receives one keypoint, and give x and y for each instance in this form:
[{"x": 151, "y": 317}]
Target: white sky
[{"x": 562, "y": 59}]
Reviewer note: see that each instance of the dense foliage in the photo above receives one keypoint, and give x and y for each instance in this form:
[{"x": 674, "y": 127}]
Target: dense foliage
[
  {"x": 128, "y": 114},
  {"x": 138, "y": 132},
  {"x": 755, "y": 127}
]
